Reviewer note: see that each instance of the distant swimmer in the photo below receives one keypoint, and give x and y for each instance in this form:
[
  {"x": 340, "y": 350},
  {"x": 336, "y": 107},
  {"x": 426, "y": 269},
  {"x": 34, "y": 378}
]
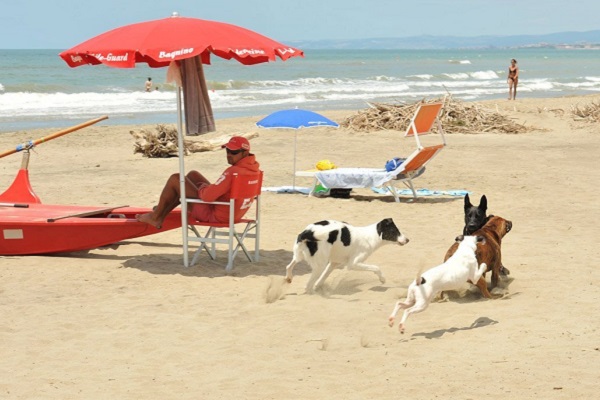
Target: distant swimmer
[{"x": 149, "y": 85}]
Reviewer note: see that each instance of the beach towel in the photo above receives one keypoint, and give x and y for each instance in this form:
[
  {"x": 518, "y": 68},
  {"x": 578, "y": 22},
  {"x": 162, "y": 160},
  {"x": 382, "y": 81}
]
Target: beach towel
[
  {"x": 349, "y": 178},
  {"x": 199, "y": 117}
]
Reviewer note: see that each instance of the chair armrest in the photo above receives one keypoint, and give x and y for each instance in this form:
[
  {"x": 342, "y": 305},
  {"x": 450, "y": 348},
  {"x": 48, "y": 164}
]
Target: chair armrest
[{"x": 198, "y": 201}]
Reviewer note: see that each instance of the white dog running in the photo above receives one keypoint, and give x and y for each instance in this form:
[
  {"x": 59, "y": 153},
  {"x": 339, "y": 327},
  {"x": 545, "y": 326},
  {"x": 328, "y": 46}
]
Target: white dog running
[
  {"x": 327, "y": 245},
  {"x": 450, "y": 275}
]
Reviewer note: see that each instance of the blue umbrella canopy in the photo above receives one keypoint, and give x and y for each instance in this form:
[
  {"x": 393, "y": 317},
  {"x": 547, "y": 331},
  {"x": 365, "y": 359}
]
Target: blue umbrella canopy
[{"x": 295, "y": 119}]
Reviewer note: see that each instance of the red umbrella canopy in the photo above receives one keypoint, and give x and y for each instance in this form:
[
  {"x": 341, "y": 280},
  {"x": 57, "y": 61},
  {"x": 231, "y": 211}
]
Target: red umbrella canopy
[{"x": 161, "y": 41}]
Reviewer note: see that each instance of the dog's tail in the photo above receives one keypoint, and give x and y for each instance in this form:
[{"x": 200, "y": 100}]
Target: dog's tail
[
  {"x": 419, "y": 280},
  {"x": 307, "y": 238}
]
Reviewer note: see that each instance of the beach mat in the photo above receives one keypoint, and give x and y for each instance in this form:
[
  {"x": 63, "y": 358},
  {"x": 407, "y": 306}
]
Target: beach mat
[
  {"x": 422, "y": 192},
  {"x": 286, "y": 189}
]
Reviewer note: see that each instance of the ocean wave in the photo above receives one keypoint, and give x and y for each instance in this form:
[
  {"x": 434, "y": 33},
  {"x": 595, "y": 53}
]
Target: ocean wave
[
  {"x": 421, "y": 76},
  {"x": 537, "y": 85},
  {"x": 36, "y": 104},
  {"x": 582, "y": 85},
  {"x": 484, "y": 75},
  {"x": 249, "y": 98},
  {"x": 460, "y": 75}
]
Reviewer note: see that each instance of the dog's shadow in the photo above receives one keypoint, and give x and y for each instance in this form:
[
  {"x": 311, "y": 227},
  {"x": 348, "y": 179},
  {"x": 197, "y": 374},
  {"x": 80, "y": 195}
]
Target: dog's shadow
[
  {"x": 478, "y": 323},
  {"x": 344, "y": 285}
]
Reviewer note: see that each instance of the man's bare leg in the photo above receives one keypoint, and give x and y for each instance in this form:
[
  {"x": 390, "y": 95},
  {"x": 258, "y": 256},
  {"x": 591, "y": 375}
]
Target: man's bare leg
[{"x": 170, "y": 197}]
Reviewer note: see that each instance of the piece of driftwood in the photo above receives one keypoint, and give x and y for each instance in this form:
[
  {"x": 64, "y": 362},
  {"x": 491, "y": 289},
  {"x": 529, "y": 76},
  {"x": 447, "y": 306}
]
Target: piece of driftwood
[
  {"x": 457, "y": 117},
  {"x": 162, "y": 142}
]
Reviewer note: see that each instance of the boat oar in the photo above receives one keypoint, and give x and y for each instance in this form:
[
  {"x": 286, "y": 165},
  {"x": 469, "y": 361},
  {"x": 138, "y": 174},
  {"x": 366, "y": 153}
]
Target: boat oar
[
  {"x": 31, "y": 143},
  {"x": 85, "y": 213},
  {"x": 17, "y": 205}
]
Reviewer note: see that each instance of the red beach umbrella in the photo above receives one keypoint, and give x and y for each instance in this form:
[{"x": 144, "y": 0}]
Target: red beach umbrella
[{"x": 159, "y": 43}]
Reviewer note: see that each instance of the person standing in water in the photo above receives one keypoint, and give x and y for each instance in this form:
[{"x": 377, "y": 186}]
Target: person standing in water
[
  {"x": 149, "y": 85},
  {"x": 513, "y": 79}
]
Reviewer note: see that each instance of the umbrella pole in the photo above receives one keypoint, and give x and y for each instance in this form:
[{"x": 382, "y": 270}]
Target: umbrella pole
[
  {"x": 182, "y": 199},
  {"x": 294, "y": 173}
]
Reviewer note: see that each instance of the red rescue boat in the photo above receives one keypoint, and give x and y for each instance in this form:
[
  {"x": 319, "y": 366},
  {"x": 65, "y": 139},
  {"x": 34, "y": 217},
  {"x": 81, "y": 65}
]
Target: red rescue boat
[
  {"x": 47, "y": 228},
  {"x": 29, "y": 227}
]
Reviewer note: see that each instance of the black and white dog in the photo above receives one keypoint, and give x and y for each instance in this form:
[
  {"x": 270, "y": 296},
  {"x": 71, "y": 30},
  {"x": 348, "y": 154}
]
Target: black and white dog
[{"x": 330, "y": 244}]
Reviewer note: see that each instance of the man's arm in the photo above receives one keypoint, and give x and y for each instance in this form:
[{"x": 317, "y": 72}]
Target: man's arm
[{"x": 215, "y": 190}]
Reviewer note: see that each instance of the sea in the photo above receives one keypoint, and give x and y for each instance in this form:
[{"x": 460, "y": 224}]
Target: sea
[{"x": 39, "y": 90}]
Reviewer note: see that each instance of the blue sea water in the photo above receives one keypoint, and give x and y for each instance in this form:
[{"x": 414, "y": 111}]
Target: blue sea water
[{"x": 37, "y": 89}]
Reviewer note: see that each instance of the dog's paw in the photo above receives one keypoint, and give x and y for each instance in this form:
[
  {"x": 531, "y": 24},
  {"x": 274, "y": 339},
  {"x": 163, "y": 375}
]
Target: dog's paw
[
  {"x": 288, "y": 280},
  {"x": 391, "y": 321},
  {"x": 382, "y": 279},
  {"x": 401, "y": 328},
  {"x": 504, "y": 271},
  {"x": 498, "y": 292}
]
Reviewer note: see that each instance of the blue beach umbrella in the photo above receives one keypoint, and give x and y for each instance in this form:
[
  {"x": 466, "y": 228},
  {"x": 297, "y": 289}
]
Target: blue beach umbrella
[{"x": 295, "y": 118}]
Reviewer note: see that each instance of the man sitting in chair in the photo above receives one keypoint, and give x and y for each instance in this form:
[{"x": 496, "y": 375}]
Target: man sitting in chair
[{"x": 198, "y": 187}]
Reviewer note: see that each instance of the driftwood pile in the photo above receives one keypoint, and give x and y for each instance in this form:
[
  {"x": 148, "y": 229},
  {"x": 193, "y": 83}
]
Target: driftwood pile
[
  {"x": 162, "y": 142},
  {"x": 588, "y": 113},
  {"x": 457, "y": 117}
]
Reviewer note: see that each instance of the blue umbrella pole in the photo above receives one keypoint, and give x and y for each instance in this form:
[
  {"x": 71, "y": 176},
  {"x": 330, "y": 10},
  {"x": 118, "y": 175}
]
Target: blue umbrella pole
[{"x": 294, "y": 172}]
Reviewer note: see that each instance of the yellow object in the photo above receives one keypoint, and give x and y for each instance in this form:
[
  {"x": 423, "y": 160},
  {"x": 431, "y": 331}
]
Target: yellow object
[{"x": 325, "y": 165}]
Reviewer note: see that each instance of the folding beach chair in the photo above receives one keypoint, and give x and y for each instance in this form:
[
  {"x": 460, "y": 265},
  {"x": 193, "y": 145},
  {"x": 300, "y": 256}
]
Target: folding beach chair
[
  {"x": 425, "y": 121},
  {"x": 245, "y": 190},
  {"x": 426, "y": 118}
]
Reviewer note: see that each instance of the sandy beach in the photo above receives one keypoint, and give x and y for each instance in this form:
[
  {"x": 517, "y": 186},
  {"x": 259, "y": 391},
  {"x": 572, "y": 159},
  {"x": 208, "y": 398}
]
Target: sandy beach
[{"x": 130, "y": 322}]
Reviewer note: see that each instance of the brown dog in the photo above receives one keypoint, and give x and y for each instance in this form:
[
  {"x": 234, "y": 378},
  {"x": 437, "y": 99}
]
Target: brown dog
[{"x": 489, "y": 253}]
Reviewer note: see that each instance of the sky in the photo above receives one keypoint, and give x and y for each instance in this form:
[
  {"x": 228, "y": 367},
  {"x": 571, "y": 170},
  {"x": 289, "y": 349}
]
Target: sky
[{"x": 61, "y": 24}]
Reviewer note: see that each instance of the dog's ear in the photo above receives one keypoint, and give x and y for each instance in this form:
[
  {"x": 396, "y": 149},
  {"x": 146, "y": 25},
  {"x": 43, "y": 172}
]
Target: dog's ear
[
  {"x": 459, "y": 238},
  {"x": 467, "y": 203},
  {"x": 481, "y": 240},
  {"x": 483, "y": 203}
]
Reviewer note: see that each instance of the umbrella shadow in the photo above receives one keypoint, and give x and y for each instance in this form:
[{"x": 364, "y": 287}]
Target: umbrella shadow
[
  {"x": 271, "y": 262},
  {"x": 96, "y": 253},
  {"x": 478, "y": 323}
]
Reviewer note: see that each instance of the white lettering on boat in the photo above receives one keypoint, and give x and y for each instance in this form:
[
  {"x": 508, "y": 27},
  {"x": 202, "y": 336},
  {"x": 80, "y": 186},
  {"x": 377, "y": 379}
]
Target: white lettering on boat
[{"x": 176, "y": 53}]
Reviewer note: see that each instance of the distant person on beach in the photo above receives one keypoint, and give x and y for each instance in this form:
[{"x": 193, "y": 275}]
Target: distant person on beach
[
  {"x": 149, "y": 85},
  {"x": 513, "y": 79},
  {"x": 198, "y": 187}
]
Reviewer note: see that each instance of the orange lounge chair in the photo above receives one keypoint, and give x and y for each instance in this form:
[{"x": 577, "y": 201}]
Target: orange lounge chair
[{"x": 426, "y": 120}]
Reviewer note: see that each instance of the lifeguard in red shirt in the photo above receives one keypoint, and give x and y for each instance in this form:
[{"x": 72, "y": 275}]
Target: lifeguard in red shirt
[{"x": 198, "y": 187}]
